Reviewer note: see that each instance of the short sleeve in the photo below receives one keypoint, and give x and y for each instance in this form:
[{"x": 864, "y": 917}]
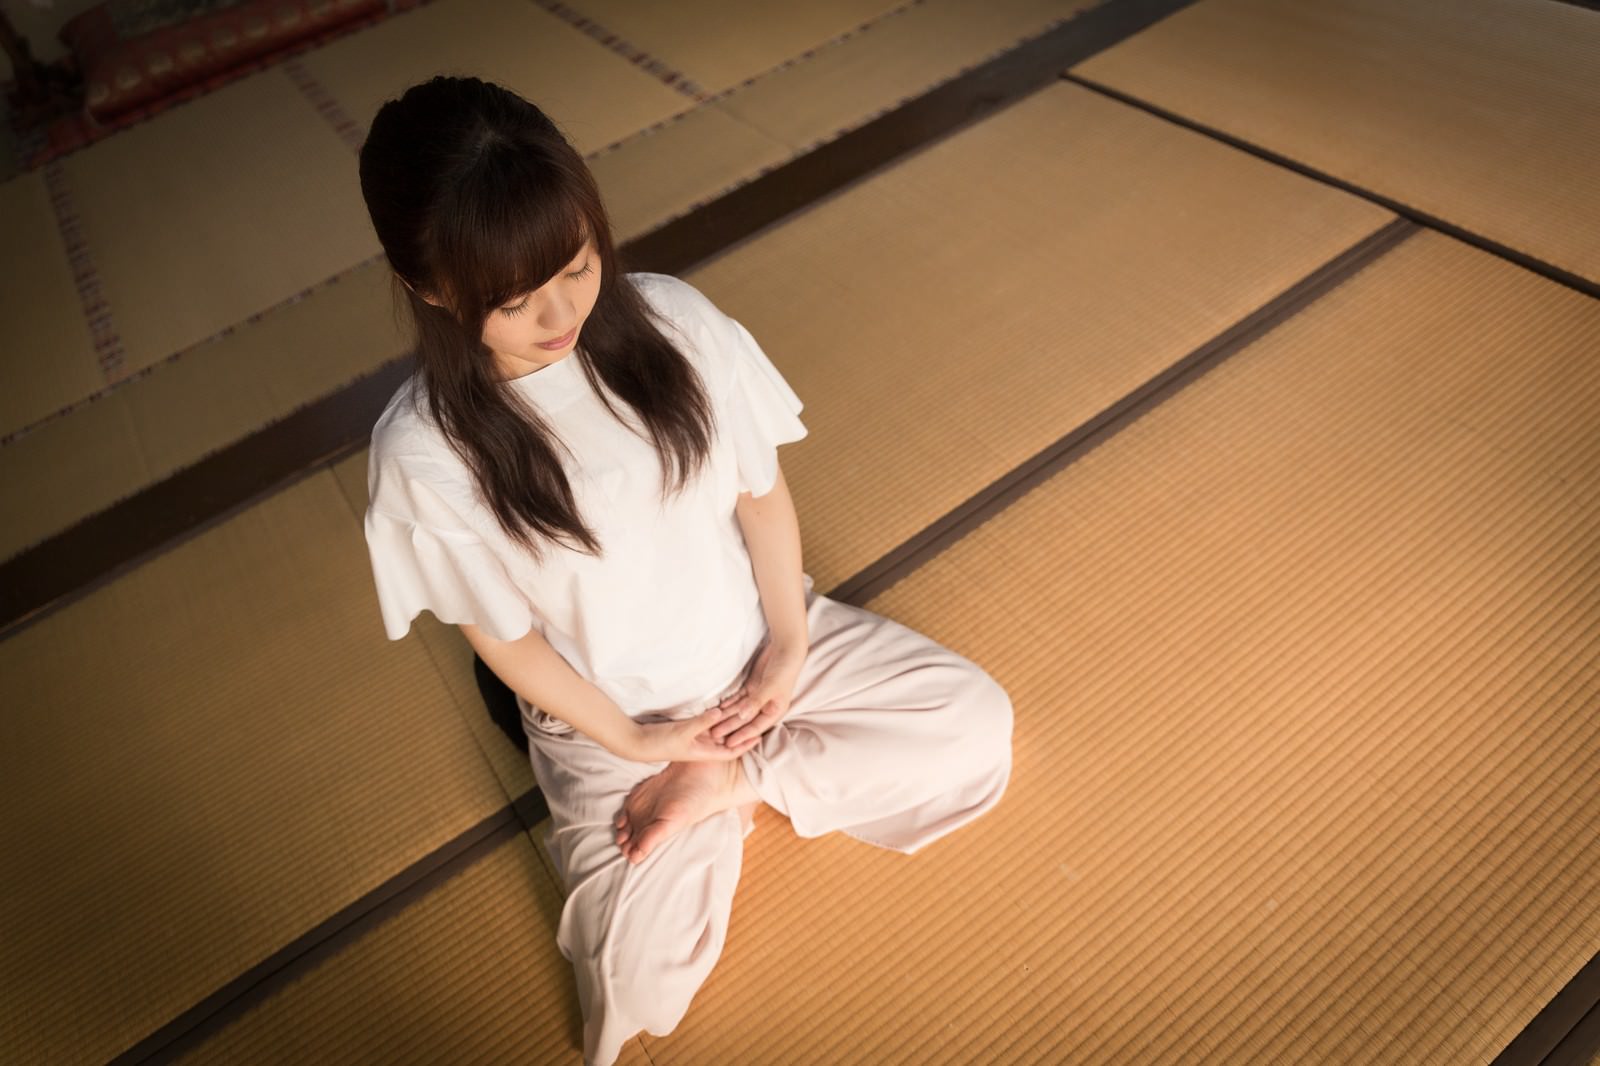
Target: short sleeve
[
  {"x": 762, "y": 412},
  {"x": 443, "y": 566},
  {"x": 759, "y": 410}
]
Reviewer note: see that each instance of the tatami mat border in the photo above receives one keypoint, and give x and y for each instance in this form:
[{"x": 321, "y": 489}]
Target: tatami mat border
[
  {"x": 108, "y": 350},
  {"x": 1567, "y": 1031},
  {"x": 1521, "y": 259},
  {"x": 672, "y": 79},
  {"x": 331, "y": 110},
  {"x": 73, "y": 562}
]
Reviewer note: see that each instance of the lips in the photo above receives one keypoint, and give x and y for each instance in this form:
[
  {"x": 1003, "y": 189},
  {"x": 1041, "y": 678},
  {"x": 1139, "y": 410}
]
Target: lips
[{"x": 561, "y": 342}]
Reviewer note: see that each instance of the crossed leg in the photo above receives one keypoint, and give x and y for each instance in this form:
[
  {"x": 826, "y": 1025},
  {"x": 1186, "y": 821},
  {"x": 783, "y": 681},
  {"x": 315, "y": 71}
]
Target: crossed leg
[{"x": 890, "y": 738}]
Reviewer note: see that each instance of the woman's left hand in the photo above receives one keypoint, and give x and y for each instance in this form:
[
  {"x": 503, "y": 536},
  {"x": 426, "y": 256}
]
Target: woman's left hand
[{"x": 764, "y": 700}]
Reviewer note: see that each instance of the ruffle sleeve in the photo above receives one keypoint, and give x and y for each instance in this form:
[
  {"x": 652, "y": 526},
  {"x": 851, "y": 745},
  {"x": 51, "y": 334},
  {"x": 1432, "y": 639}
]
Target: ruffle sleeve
[
  {"x": 761, "y": 412},
  {"x": 757, "y": 408},
  {"x": 444, "y": 567}
]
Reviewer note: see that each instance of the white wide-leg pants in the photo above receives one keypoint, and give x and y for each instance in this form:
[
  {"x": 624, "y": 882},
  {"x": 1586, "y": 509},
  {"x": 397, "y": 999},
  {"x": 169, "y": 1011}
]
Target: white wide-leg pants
[{"x": 890, "y": 738}]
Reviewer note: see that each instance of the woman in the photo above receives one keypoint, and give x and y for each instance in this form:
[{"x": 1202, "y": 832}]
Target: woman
[{"x": 583, "y": 475}]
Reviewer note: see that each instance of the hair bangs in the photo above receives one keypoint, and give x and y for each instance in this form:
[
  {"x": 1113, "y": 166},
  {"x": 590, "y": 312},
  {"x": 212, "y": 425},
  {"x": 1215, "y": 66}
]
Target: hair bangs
[{"x": 514, "y": 227}]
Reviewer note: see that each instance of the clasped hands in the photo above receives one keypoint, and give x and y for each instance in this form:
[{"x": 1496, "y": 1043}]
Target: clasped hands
[{"x": 732, "y": 727}]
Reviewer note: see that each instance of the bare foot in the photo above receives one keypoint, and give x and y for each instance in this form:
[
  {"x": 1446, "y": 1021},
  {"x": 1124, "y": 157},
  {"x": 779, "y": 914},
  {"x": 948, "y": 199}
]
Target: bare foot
[{"x": 676, "y": 798}]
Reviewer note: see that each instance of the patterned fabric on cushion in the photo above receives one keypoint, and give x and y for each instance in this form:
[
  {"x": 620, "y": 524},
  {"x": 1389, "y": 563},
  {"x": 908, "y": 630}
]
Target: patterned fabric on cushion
[{"x": 134, "y": 51}]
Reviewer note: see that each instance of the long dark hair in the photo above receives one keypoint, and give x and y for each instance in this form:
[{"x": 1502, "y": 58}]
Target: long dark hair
[{"x": 477, "y": 198}]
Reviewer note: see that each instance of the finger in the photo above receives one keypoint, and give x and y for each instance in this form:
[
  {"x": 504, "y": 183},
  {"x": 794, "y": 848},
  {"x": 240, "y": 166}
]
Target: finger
[
  {"x": 730, "y": 753},
  {"x": 705, "y": 720},
  {"x": 713, "y": 751},
  {"x": 747, "y": 737},
  {"x": 707, "y": 750},
  {"x": 737, "y": 714},
  {"x": 734, "y": 719},
  {"x": 753, "y": 729}
]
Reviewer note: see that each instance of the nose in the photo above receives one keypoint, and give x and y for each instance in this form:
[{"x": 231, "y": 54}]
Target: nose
[{"x": 558, "y": 316}]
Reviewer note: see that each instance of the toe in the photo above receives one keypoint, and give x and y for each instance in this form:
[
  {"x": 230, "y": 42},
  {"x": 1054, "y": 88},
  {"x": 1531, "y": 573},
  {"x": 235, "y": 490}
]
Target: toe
[{"x": 652, "y": 835}]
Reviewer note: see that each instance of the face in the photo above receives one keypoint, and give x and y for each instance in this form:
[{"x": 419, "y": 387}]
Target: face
[
  {"x": 554, "y": 312},
  {"x": 515, "y": 330}
]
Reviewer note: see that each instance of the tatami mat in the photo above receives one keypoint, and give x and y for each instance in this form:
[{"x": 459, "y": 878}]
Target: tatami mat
[
  {"x": 1304, "y": 670},
  {"x": 203, "y": 760},
  {"x": 1485, "y": 113},
  {"x": 696, "y": 37},
  {"x": 147, "y": 428},
  {"x": 595, "y": 94},
  {"x": 468, "y": 975},
  {"x": 1128, "y": 245},
  {"x": 1308, "y": 654},
  {"x": 924, "y": 44},
  {"x": 222, "y": 208}
]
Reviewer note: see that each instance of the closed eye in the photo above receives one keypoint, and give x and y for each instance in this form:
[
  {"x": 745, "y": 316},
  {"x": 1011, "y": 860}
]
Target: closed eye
[{"x": 576, "y": 275}]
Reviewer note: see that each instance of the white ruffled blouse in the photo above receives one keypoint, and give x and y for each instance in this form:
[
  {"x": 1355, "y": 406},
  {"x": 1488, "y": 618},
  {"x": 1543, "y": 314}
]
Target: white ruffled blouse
[{"x": 671, "y": 611}]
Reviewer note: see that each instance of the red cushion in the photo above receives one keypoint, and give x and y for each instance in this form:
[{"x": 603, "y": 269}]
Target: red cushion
[{"x": 129, "y": 58}]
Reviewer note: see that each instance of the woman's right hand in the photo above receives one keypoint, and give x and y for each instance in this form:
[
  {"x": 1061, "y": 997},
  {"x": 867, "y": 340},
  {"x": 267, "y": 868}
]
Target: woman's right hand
[{"x": 685, "y": 740}]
